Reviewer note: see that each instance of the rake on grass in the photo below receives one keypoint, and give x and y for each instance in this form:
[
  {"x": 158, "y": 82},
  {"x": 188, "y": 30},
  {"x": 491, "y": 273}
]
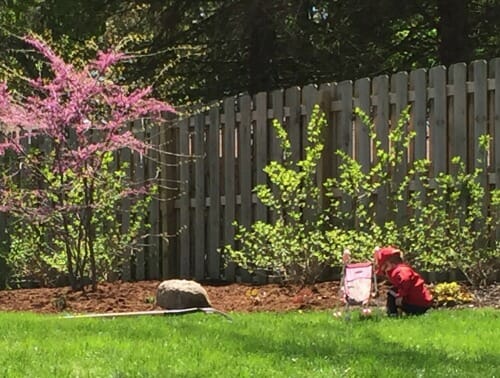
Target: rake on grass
[{"x": 206, "y": 310}]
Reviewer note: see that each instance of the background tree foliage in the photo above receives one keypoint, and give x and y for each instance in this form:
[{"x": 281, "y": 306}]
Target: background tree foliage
[{"x": 193, "y": 50}]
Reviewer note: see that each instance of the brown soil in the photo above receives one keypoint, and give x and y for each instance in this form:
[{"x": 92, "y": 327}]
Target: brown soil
[{"x": 139, "y": 296}]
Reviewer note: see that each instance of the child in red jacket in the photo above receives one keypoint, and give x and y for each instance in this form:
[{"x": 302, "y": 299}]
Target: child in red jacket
[{"x": 408, "y": 293}]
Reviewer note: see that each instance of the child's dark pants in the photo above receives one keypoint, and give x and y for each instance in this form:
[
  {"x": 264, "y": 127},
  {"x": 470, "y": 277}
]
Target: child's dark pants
[{"x": 410, "y": 309}]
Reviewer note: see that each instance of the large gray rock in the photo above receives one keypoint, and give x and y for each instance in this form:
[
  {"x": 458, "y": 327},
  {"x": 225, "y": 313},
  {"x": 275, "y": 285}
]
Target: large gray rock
[{"x": 180, "y": 294}]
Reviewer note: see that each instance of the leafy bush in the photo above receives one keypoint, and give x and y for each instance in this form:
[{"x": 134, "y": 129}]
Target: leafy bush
[
  {"x": 449, "y": 228},
  {"x": 37, "y": 248},
  {"x": 300, "y": 242},
  {"x": 451, "y": 294},
  {"x": 356, "y": 190},
  {"x": 446, "y": 227}
]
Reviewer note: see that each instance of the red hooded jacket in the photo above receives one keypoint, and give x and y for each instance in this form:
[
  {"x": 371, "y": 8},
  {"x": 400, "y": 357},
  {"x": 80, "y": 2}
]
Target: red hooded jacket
[{"x": 409, "y": 285}]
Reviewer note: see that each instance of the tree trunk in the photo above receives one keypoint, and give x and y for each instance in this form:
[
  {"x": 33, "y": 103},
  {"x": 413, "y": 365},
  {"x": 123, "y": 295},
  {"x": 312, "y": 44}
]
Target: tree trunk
[{"x": 453, "y": 31}]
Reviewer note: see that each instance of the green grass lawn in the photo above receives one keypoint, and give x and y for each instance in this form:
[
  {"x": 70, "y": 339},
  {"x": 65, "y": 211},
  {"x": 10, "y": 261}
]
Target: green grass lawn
[{"x": 446, "y": 343}]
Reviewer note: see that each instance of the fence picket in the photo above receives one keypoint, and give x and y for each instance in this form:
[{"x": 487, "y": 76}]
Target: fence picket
[
  {"x": 362, "y": 148},
  {"x": 229, "y": 178},
  {"x": 214, "y": 212},
  {"x": 399, "y": 88},
  {"x": 292, "y": 102},
  {"x": 438, "y": 121},
  {"x": 362, "y": 141},
  {"x": 277, "y": 98},
  {"x": 245, "y": 161},
  {"x": 261, "y": 150},
  {"x": 439, "y": 117},
  {"x": 457, "y": 115},
  {"x": 335, "y": 133},
  {"x": 153, "y": 261},
  {"x": 310, "y": 97},
  {"x": 418, "y": 122},
  {"x": 480, "y": 118},
  {"x": 184, "y": 239},
  {"x": 345, "y": 133},
  {"x": 495, "y": 124},
  {"x": 139, "y": 177},
  {"x": 275, "y": 150},
  {"x": 126, "y": 274},
  {"x": 325, "y": 165},
  {"x": 199, "y": 195},
  {"x": 169, "y": 193},
  {"x": 381, "y": 103}
]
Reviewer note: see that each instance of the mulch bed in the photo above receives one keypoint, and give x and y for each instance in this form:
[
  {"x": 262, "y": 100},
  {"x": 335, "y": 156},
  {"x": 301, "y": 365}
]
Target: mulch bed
[{"x": 139, "y": 296}]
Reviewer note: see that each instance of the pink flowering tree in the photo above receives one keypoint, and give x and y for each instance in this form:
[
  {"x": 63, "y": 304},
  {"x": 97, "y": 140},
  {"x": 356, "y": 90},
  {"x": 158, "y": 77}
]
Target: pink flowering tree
[{"x": 59, "y": 184}]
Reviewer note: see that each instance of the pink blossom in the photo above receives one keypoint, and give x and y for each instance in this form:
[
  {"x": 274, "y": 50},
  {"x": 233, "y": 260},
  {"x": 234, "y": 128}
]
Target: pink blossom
[
  {"x": 106, "y": 59},
  {"x": 81, "y": 116}
]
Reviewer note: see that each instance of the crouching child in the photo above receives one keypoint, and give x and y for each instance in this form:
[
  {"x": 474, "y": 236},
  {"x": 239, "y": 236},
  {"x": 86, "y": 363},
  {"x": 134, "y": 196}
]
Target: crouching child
[{"x": 408, "y": 293}]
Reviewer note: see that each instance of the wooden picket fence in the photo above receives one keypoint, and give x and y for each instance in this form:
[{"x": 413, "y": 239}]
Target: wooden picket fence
[{"x": 212, "y": 160}]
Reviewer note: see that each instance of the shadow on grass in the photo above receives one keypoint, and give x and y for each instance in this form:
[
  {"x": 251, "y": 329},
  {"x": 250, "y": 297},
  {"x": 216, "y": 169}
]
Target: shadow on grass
[
  {"x": 365, "y": 346},
  {"x": 351, "y": 344}
]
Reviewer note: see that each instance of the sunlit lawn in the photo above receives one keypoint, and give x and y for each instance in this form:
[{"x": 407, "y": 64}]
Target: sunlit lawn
[{"x": 447, "y": 343}]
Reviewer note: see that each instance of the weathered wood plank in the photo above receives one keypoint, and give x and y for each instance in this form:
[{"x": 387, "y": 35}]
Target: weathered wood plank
[
  {"x": 229, "y": 178},
  {"x": 439, "y": 117},
  {"x": 418, "y": 122},
  {"x": 495, "y": 123},
  {"x": 325, "y": 167},
  {"x": 345, "y": 133},
  {"x": 277, "y": 98},
  {"x": 310, "y": 98},
  {"x": 184, "y": 218},
  {"x": 345, "y": 89},
  {"x": 381, "y": 97},
  {"x": 362, "y": 140},
  {"x": 292, "y": 102},
  {"x": 214, "y": 213},
  {"x": 125, "y": 162},
  {"x": 275, "y": 150},
  {"x": 261, "y": 151},
  {"x": 362, "y": 144},
  {"x": 139, "y": 177},
  {"x": 438, "y": 146},
  {"x": 419, "y": 114},
  {"x": 245, "y": 160},
  {"x": 245, "y": 171},
  {"x": 479, "y": 73},
  {"x": 457, "y": 114},
  {"x": 199, "y": 197},
  {"x": 153, "y": 256},
  {"x": 169, "y": 192},
  {"x": 478, "y": 70},
  {"x": 399, "y": 86},
  {"x": 332, "y": 141}
]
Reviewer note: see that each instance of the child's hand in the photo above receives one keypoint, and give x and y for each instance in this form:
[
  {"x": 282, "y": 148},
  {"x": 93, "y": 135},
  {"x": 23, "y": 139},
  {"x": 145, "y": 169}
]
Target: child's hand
[{"x": 399, "y": 301}]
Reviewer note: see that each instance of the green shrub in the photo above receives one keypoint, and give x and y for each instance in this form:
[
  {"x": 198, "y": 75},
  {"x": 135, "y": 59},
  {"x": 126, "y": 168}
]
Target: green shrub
[
  {"x": 451, "y": 294},
  {"x": 299, "y": 244},
  {"x": 37, "y": 249},
  {"x": 447, "y": 227}
]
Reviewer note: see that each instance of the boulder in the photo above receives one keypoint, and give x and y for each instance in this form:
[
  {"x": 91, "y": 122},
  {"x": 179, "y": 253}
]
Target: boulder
[{"x": 181, "y": 294}]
